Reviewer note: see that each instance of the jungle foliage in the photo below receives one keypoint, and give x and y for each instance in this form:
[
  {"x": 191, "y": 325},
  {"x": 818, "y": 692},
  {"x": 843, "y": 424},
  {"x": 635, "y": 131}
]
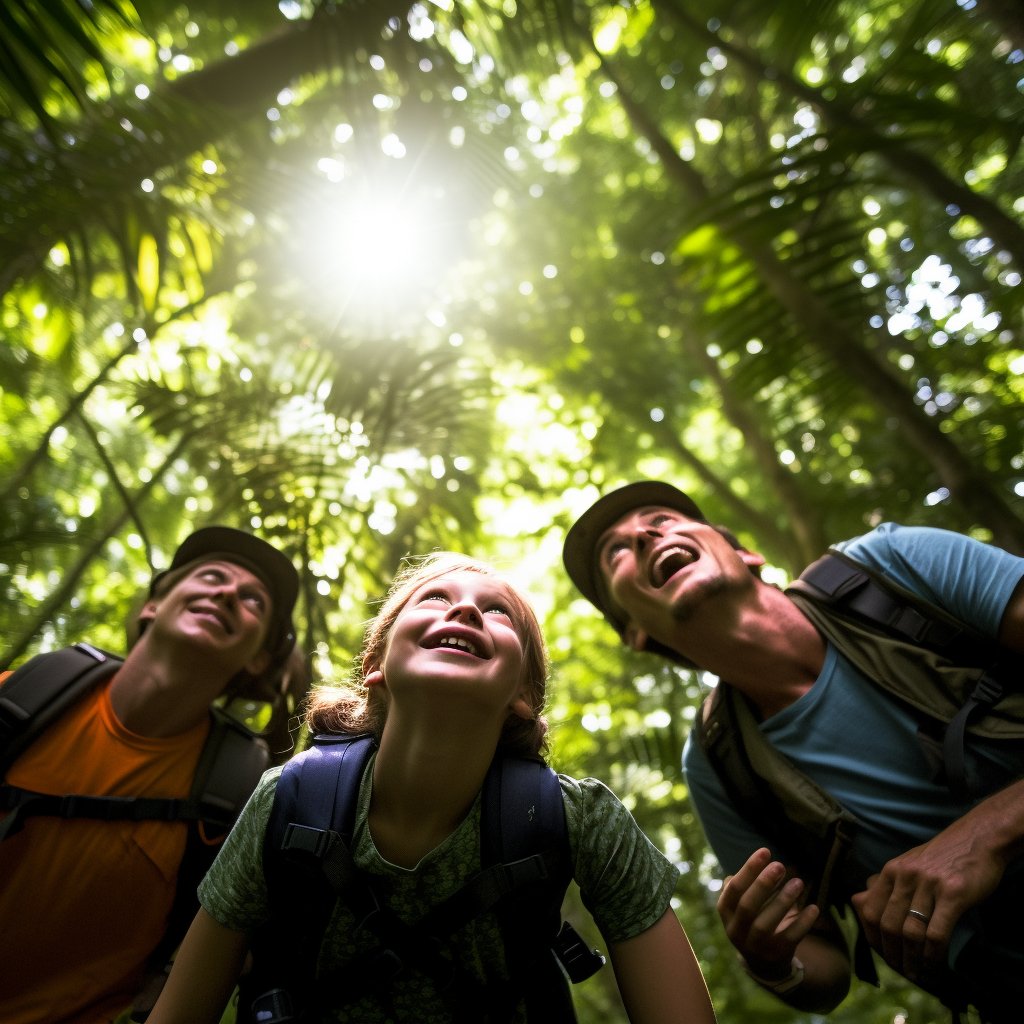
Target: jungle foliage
[{"x": 374, "y": 278}]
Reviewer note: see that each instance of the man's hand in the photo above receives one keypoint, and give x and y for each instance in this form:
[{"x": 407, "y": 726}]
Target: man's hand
[
  {"x": 762, "y": 914},
  {"x": 939, "y": 880}
]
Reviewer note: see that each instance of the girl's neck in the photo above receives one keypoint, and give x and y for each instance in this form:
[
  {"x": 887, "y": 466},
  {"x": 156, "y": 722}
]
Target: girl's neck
[{"x": 425, "y": 780}]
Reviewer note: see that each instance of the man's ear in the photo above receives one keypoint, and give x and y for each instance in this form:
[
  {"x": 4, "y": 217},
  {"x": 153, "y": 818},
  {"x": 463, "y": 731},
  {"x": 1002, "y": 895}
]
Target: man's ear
[
  {"x": 752, "y": 559},
  {"x": 633, "y": 636},
  {"x": 373, "y": 678}
]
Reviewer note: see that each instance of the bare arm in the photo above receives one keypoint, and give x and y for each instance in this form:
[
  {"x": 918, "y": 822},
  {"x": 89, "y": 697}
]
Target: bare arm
[
  {"x": 659, "y": 978},
  {"x": 1011, "y": 627},
  {"x": 954, "y": 871},
  {"x": 941, "y": 879},
  {"x": 204, "y": 974},
  {"x": 766, "y": 923}
]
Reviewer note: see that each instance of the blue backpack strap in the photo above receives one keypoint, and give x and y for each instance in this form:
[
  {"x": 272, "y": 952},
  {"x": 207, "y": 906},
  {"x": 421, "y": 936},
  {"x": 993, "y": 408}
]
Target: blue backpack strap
[
  {"x": 523, "y": 828},
  {"x": 317, "y": 795},
  {"x": 314, "y": 807}
]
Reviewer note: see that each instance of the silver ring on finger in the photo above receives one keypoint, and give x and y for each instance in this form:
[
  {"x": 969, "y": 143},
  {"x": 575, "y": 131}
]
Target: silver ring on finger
[{"x": 920, "y": 915}]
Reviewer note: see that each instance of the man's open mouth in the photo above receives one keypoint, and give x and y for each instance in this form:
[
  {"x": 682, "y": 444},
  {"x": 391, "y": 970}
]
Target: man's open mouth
[{"x": 669, "y": 562}]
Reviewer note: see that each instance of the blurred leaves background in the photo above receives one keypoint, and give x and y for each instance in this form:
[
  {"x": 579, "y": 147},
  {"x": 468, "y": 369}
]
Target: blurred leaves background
[{"x": 373, "y": 278}]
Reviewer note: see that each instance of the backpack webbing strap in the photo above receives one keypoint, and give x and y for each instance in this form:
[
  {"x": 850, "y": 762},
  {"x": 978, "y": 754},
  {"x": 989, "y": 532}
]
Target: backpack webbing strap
[
  {"x": 988, "y": 691},
  {"x": 786, "y": 805},
  {"x": 27, "y": 803},
  {"x": 943, "y": 669},
  {"x": 230, "y": 765},
  {"x": 841, "y": 580},
  {"x": 40, "y": 690},
  {"x": 774, "y": 795}
]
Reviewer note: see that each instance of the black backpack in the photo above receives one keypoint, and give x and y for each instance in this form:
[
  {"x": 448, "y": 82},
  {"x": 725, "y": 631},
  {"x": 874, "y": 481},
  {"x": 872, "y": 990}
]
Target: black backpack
[
  {"x": 230, "y": 765},
  {"x": 956, "y": 682},
  {"x": 307, "y": 865}
]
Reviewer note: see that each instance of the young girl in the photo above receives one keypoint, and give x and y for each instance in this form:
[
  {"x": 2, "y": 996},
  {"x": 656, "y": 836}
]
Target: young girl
[{"x": 453, "y": 670}]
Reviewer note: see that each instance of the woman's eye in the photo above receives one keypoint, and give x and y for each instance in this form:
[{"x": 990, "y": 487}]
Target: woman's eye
[
  {"x": 499, "y": 609},
  {"x": 435, "y": 595}
]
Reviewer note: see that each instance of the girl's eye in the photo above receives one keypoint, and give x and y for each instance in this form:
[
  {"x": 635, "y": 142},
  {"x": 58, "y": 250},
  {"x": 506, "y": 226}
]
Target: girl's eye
[
  {"x": 436, "y": 595},
  {"x": 499, "y": 609}
]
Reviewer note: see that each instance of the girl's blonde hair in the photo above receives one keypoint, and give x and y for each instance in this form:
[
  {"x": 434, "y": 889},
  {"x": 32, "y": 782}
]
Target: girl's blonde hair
[{"x": 357, "y": 708}]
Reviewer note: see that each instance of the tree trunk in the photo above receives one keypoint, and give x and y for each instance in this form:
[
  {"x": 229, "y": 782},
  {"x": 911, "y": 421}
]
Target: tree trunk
[
  {"x": 969, "y": 485},
  {"x": 807, "y": 541}
]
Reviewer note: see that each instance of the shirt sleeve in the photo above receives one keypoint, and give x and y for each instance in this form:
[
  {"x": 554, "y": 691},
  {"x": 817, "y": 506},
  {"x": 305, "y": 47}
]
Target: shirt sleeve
[
  {"x": 969, "y": 579},
  {"x": 234, "y": 892},
  {"x": 625, "y": 881}
]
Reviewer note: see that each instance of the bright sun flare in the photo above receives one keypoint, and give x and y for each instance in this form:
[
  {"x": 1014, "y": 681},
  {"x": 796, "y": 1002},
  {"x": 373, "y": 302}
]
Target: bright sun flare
[{"x": 375, "y": 257}]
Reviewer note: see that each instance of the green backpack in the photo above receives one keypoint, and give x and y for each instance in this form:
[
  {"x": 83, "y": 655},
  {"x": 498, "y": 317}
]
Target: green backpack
[{"x": 957, "y": 682}]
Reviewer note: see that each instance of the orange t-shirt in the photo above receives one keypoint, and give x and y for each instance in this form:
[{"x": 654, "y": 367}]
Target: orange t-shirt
[{"x": 82, "y": 902}]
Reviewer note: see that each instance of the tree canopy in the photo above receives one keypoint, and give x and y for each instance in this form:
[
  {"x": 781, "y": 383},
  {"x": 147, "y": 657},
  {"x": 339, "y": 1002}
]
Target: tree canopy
[{"x": 377, "y": 278}]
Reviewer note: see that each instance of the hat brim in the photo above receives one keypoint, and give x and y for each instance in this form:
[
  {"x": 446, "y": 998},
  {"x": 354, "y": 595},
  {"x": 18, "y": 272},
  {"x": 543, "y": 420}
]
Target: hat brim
[{"x": 579, "y": 553}]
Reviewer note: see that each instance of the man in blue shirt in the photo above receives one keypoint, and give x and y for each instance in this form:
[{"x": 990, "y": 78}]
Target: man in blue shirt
[{"x": 670, "y": 582}]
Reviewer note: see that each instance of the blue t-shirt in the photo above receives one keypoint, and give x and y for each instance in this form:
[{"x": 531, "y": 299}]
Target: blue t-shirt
[{"x": 857, "y": 743}]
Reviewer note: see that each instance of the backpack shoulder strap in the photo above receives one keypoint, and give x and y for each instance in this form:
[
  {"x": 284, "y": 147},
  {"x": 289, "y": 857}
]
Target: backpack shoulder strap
[
  {"x": 230, "y": 765},
  {"x": 522, "y": 830},
  {"x": 785, "y": 804},
  {"x": 314, "y": 810},
  {"x": 838, "y": 580},
  {"x": 316, "y": 796},
  {"x": 955, "y": 679},
  {"x": 779, "y": 799},
  {"x": 42, "y": 689}
]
